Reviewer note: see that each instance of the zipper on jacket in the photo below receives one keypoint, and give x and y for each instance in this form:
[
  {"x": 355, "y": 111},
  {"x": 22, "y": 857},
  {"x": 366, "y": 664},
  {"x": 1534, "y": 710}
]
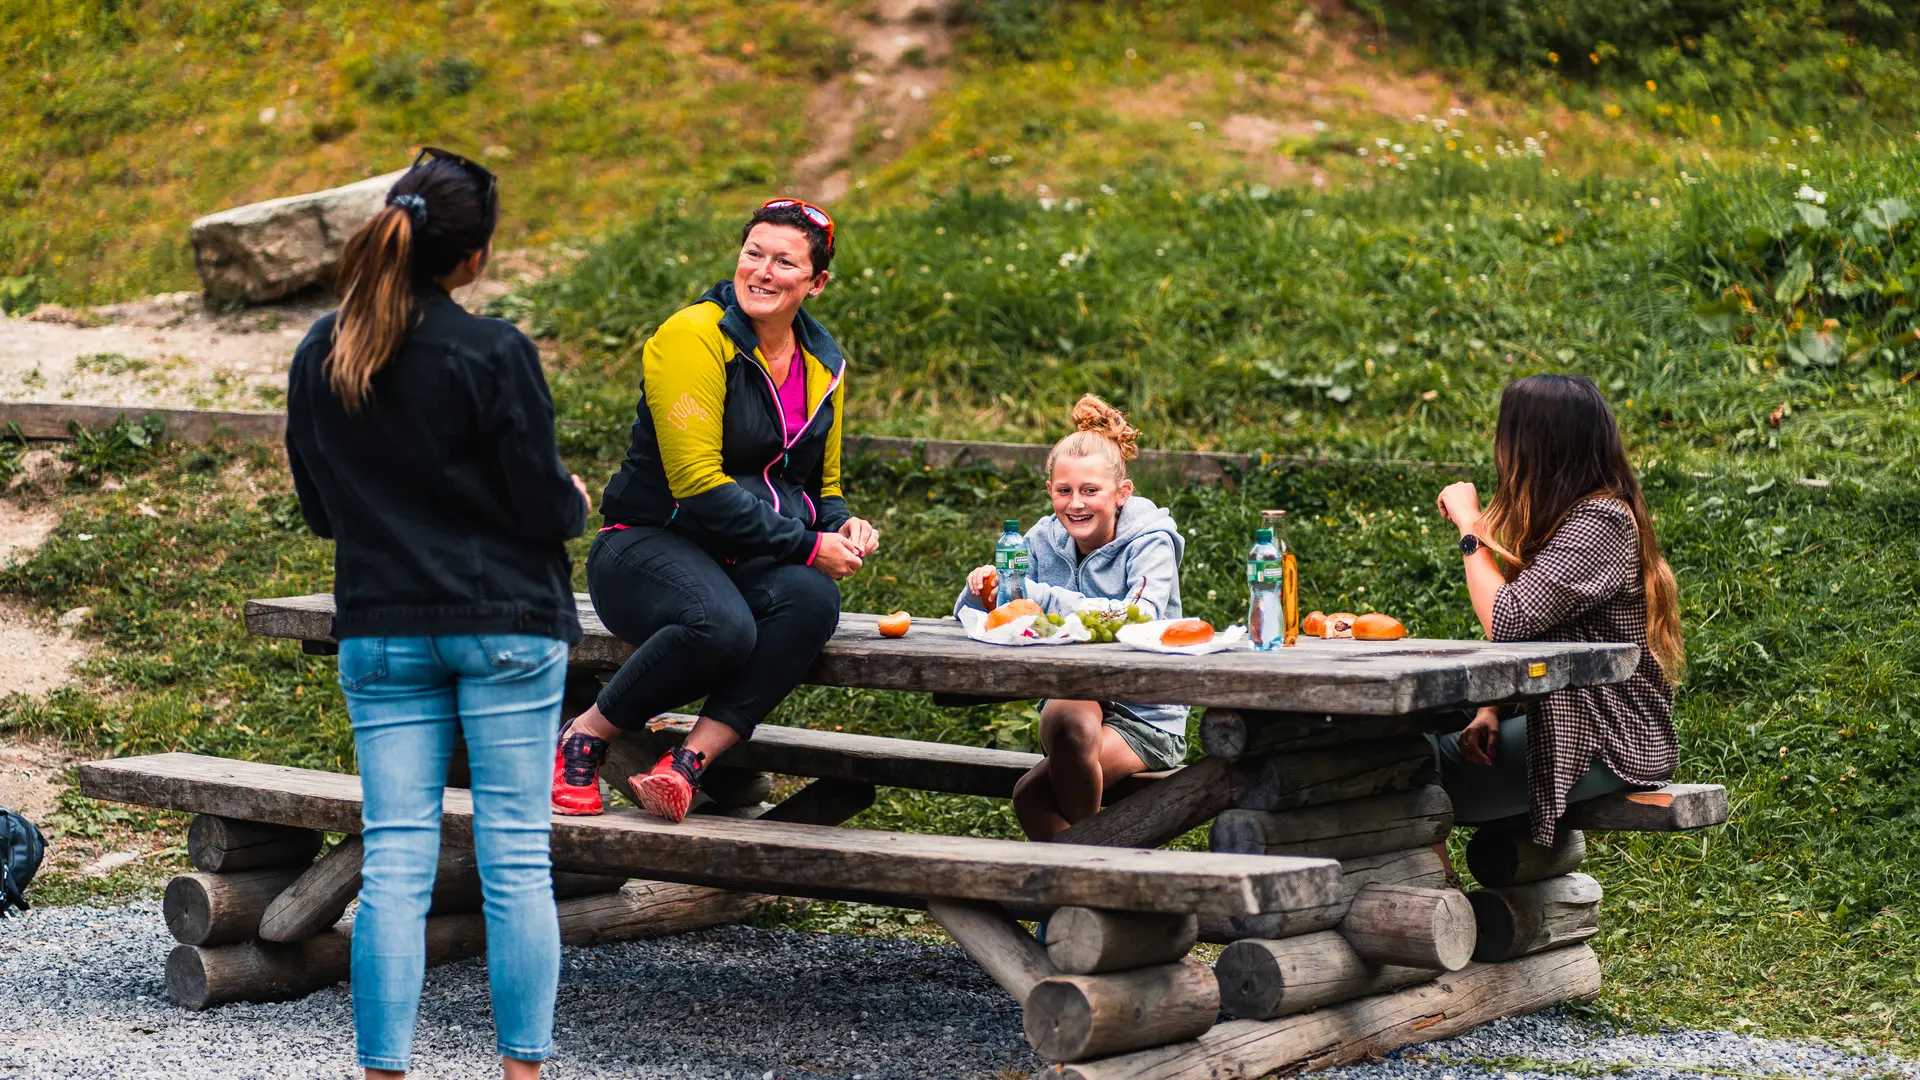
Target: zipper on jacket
[{"x": 766, "y": 474}]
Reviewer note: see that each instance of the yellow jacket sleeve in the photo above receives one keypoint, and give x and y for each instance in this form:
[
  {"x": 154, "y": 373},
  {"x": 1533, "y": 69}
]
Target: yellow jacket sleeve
[
  {"x": 684, "y": 379},
  {"x": 830, "y": 461}
]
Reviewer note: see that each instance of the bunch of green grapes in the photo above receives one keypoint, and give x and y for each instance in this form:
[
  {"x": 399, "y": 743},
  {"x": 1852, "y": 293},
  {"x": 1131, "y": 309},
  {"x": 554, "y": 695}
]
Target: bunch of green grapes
[{"x": 1106, "y": 624}]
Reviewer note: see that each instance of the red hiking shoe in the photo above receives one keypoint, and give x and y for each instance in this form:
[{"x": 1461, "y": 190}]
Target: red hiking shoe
[
  {"x": 576, "y": 775},
  {"x": 666, "y": 790}
]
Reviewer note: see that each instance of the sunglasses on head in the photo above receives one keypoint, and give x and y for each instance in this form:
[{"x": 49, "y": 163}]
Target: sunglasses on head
[
  {"x": 477, "y": 170},
  {"x": 813, "y": 213}
]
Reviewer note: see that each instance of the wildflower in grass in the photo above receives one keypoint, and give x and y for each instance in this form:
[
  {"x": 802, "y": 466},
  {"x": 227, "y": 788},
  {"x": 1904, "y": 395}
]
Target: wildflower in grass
[
  {"x": 1449, "y": 226},
  {"x": 1714, "y": 119},
  {"x": 1611, "y": 110},
  {"x": 1652, "y": 86},
  {"x": 1196, "y": 125},
  {"x": 1381, "y": 143},
  {"x": 1320, "y": 127},
  {"x": 1654, "y": 202},
  {"x": 1594, "y": 57},
  {"x": 1807, "y": 194},
  {"x": 1553, "y": 57}
]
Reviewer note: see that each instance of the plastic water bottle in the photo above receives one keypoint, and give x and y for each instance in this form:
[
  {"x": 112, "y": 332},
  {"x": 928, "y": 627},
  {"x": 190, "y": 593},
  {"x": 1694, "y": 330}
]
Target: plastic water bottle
[
  {"x": 1011, "y": 561},
  {"x": 1264, "y": 575}
]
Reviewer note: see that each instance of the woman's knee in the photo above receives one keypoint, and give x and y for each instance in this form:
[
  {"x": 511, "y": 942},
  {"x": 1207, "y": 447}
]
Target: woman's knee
[
  {"x": 725, "y": 633},
  {"x": 801, "y": 599}
]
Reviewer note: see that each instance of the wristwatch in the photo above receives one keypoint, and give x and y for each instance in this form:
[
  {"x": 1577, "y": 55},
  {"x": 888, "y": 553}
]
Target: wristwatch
[{"x": 1469, "y": 544}]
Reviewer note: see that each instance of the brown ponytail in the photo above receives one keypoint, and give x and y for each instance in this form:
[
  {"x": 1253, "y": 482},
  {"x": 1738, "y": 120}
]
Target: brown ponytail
[
  {"x": 376, "y": 303},
  {"x": 1100, "y": 431}
]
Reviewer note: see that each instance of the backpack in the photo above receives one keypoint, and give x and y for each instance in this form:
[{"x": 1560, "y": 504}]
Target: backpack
[{"x": 21, "y": 848}]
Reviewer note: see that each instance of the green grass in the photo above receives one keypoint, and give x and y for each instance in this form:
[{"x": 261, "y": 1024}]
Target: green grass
[{"x": 1798, "y": 916}]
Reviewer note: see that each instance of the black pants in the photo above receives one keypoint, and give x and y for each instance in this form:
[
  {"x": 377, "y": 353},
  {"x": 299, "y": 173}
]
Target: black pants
[{"x": 740, "y": 635}]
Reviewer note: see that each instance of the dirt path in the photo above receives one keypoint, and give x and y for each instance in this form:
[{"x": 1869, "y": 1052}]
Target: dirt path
[{"x": 901, "y": 51}]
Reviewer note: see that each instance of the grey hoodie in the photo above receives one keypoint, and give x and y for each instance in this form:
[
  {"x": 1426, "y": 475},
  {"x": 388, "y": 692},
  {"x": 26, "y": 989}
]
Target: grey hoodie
[{"x": 1146, "y": 544}]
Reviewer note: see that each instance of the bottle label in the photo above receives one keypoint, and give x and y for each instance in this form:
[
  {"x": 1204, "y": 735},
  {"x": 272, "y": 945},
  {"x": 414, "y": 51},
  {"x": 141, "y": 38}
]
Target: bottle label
[
  {"x": 1263, "y": 571},
  {"x": 1012, "y": 562}
]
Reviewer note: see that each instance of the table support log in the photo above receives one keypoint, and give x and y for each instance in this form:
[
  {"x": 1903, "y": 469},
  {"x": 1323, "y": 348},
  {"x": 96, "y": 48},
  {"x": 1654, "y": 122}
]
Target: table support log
[
  {"x": 1341, "y": 830},
  {"x": 1186, "y": 800},
  {"x": 1243, "y": 733},
  {"x": 219, "y": 845},
  {"x": 1518, "y": 920},
  {"x": 1286, "y": 781},
  {"x": 1261, "y": 980},
  {"x": 1001, "y": 946},
  {"x": 1368, "y": 1027},
  {"x": 1498, "y": 856},
  {"x": 1075, "y": 1017},
  {"x": 1423, "y": 928},
  {"x": 1423, "y": 867},
  {"x": 216, "y": 909},
  {"x": 1088, "y": 941}
]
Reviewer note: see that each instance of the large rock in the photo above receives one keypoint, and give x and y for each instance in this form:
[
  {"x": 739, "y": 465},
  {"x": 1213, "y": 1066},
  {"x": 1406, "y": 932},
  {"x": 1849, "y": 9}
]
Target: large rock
[{"x": 267, "y": 250}]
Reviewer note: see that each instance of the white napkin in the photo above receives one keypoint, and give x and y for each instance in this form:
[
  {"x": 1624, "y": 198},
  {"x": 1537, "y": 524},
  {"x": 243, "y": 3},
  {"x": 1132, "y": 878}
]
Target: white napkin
[
  {"x": 1019, "y": 631},
  {"x": 1146, "y": 637}
]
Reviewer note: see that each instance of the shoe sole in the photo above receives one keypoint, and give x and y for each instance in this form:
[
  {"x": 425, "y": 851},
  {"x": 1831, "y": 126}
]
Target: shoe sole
[
  {"x": 662, "y": 798},
  {"x": 570, "y": 812}
]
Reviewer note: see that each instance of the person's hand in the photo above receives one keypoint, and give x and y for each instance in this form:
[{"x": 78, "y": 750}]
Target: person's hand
[
  {"x": 1479, "y": 740},
  {"x": 982, "y": 582},
  {"x": 1460, "y": 504},
  {"x": 861, "y": 533},
  {"x": 580, "y": 486},
  {"x": 837, "y": 557}
]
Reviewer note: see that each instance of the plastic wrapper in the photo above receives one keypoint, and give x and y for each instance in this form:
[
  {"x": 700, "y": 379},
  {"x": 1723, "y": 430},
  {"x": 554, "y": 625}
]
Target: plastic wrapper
[
  {"x": 1146, "y": 637},
  {"x": 1021, "y": 631}
]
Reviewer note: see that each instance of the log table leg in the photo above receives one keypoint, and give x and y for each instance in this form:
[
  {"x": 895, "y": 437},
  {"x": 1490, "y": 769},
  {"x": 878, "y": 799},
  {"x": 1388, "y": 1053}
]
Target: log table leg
[
  {"x": 1518, "y": 920},
  {"x": 217, "y": 909},
  {"x": 218, "y": 845},
  {"x": 1498, "y": 855},
  {"x": 1075, "y": 1017}
]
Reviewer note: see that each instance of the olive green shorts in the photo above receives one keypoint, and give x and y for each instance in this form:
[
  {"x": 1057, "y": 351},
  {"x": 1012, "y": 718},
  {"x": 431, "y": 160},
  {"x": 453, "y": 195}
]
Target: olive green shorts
[{"x": 1158, "y": 748}]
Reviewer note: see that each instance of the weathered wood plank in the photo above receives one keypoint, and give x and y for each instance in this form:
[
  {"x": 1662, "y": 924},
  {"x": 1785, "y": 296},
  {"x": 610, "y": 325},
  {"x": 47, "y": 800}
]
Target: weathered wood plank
[
  {"x": 215, "y": 909},
  {"x": 798, "y": 860},
  {"x": 839, "y": 755},
  {"x": 1367, "y": 1027},
  {"x": 1372, "y": 678},
  {"x": 1239, "y": 733},
  {"x": 1075, "y": 1017},
  {"x": 1089, "y": 941},
  {"x": 1261, "y": 979},
  {"x": 1342, "y": 830},
  {"x": 1517, "y": 920},
  {"x": 317, "y": 898},
  {"x": 1674, "y": 808}
]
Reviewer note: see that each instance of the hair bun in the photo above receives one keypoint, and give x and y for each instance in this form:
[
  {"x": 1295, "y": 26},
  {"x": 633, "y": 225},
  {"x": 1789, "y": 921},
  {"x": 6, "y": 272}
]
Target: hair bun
[{"x": 1094, "y": 415}]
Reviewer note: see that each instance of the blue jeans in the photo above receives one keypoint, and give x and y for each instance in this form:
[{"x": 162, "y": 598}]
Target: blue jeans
[
  {"x": 407, "y": 696},
  {"x": 1483, "y": 793}
]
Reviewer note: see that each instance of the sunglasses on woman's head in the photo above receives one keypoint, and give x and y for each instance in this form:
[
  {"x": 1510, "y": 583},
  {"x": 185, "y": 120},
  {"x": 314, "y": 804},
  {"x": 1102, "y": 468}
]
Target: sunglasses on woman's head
[
  {"x": 813, "y": 213},
  {"x": 478, "y": 171}
]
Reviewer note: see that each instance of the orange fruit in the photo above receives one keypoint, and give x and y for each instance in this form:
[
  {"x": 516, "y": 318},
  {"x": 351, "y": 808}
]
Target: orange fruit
[
  {"x": 1010, "y": 611},
  {"x": 989, "y": 589},
  {"x": 1187, "y": 632},
  {"x": 895, "y": 625},
  {"x": 1315, "y": 624},
  {"x": 1378, "y": 627}
]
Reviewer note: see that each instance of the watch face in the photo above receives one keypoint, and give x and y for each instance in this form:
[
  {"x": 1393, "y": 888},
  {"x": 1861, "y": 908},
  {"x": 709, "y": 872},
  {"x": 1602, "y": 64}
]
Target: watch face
[{"x": 1469, "y": 544}]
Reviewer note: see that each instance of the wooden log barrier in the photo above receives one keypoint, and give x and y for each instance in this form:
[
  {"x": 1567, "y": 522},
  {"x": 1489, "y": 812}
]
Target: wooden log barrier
[
  {"x": 218, "y": 845},
  {"x": 215, "y": 909},
  {"x": 1368, "y": 1027},
  {"x": 1342, "y": 830},
  {"x": 1286, "y": 781},
  {"x": 1519, "y": 920},
  {"x": 1088, "y": 941},
  {"x": 1260, "y": 980},
  {"x": 1497, "y": 855},
  {"x": 1075, "y": 1017},
  {"x": 732, "y": 788},
  {"x": 1424, "y": 867},
  {"x": 1411, "y": 927}
]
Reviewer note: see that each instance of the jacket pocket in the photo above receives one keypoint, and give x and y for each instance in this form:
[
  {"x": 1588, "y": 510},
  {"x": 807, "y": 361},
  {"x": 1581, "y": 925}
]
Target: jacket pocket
[
  {"x": 520, "y": 652},
  {"x": 363, "y": 660}
]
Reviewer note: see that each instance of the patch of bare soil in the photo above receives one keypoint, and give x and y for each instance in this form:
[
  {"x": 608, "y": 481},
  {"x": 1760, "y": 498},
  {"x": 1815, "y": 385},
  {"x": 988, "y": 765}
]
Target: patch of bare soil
[
  {"x": 30, "y": 777},
  {"x": 34, "y": 657},
  {"x": 901, "y": 50},
  {"x": 175, "y": 351},
  {"x": 21, "y": 530}
]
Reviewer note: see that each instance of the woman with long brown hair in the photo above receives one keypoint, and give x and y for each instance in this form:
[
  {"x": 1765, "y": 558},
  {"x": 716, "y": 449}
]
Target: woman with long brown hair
[
  {"x": 421, "y": 441},
  {"x": 1565, "y": 551}
]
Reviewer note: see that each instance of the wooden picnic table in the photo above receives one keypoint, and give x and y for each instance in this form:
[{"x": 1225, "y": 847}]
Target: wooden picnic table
[{"x": 1348, "y": 933}]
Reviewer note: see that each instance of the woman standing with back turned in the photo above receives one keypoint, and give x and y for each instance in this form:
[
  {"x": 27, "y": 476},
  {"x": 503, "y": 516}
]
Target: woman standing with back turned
[{"x": 421, "y": 441}]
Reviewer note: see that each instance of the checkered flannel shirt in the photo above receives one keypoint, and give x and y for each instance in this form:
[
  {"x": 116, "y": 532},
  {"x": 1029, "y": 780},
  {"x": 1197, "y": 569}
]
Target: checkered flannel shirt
[{"x": 1585, "y": 585}]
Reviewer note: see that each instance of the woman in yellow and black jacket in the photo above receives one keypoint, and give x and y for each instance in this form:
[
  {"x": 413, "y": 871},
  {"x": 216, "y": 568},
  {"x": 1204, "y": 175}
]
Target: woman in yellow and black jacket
[{"x": 726, "y": 526}]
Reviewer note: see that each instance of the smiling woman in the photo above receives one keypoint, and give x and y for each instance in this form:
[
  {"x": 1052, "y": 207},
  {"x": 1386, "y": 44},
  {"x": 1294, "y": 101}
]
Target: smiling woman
[{"x": 726, "y": 527}]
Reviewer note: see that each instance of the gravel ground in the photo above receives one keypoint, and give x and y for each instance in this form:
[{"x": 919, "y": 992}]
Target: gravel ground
[{"x": 82, "y": 995}]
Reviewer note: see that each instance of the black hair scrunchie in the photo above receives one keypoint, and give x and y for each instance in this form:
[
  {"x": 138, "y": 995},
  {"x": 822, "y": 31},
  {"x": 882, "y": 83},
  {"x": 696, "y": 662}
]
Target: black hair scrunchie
[{"x": 414, "y": 205}]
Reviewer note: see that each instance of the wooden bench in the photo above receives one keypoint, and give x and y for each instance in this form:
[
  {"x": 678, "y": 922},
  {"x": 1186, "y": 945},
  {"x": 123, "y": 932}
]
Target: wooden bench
[{"x": 1312, "y": 754}]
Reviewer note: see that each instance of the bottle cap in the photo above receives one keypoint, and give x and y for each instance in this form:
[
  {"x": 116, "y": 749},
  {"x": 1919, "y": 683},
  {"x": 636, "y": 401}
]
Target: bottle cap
[
  {"x": 1011, "y": 525},
  {"x": 1263, "y": 536}
]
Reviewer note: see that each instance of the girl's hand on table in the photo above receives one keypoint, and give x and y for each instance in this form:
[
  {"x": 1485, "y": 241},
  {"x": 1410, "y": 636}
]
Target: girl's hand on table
[
  {"x": 862, "y": 535},
  {"x": 1460, "y": 504},
  {"x": 837, "y": 557},
  {"x": 1479, "y": 740}
]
